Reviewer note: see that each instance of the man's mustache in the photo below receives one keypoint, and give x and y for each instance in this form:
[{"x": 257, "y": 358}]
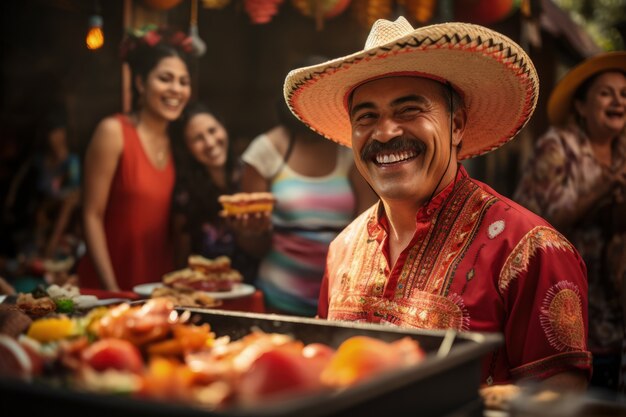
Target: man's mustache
[{"x": 400, "y": 143}]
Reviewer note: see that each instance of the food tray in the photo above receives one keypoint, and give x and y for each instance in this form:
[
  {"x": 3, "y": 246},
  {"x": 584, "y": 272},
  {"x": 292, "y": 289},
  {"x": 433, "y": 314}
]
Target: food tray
[{"x": 446, "y": 383}]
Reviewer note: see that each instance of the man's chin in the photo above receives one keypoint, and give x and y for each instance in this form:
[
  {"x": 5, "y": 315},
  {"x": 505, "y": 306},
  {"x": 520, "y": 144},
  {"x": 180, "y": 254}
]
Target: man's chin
[
  {"x": 404, "y": 191},
  {"x": 399, "y": 195}
]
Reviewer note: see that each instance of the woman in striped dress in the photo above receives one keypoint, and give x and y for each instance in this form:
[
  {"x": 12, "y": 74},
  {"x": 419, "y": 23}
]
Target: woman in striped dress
[{"x": 318, "y": 192}]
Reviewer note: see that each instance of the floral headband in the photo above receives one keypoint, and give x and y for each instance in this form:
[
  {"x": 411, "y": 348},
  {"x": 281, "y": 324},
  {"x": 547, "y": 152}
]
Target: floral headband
[{"x": 152, "y": 35}]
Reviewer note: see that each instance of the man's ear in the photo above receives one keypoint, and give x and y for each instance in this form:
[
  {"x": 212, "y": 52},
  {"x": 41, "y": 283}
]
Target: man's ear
[{"x": 459, "y": 120}]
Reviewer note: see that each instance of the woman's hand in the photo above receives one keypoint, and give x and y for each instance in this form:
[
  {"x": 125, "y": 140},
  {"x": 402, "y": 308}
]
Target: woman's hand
[
  {"x": 249, "y": 224},
  {"x": 253, "y": 232}
]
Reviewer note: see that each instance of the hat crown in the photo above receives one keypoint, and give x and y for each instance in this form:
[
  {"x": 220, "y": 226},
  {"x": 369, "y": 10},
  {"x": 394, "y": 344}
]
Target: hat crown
[
  {"x": 490, "y": 71},
  {"x": 384, "y": 31}
]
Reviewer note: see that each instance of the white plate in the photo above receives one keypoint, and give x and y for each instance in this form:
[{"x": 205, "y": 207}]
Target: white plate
[
  {"x": 105, "y": 302},
  {"x": 238, "y": 291}
]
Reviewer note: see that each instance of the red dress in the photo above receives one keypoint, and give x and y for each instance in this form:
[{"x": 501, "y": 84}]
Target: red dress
[
  {"x": 479, "y": 262},
  {"x": 136, "y": 220}
]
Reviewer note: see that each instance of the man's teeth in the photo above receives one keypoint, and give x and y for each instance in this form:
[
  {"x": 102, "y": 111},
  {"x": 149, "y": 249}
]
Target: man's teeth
[{"x": 394, "y": 157}]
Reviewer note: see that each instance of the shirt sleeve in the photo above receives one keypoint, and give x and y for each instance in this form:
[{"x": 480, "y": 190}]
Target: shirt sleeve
[
  {"x": 263, "y": 156},
  {"x": 544, "y": 288}
]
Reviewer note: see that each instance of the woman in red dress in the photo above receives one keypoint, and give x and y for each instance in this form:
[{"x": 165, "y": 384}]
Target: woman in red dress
[{"x": 129, "y": 173}]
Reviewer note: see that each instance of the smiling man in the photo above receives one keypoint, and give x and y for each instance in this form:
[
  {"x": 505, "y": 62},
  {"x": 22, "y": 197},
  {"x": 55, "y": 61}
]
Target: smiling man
[{"x": 441, "y": 250}]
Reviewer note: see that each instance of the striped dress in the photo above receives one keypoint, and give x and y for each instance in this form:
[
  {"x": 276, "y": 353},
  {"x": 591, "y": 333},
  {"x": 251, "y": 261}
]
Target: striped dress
[{"x": 308, "y": 214}]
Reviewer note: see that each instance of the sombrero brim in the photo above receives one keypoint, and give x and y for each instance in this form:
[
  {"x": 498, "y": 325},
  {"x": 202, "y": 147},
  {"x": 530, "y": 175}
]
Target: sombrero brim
[
  {"x": 492, "y": 73},
  {"x": 560, "y": 101}
]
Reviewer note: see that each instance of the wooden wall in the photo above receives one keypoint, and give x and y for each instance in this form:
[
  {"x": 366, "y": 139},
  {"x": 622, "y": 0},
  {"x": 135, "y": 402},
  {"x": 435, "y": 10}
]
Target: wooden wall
[{"x": 45, "y": 65}]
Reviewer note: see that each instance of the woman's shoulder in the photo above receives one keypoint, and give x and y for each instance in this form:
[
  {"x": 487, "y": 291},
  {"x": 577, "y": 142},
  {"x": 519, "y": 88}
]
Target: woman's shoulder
[
  {"x": 274, "y": 140},
  {"x": 110, "y": 124},
  {"x": 108, "y": 134},
  {"x": 263, "y": 146},
  {"x": 278, "y": 136},
  {"x": 263, "y": 156}
]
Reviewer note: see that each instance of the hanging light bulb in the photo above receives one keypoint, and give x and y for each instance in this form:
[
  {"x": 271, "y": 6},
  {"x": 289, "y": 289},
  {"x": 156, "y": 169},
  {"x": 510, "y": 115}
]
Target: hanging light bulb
[{"x": 95, "y": 37}]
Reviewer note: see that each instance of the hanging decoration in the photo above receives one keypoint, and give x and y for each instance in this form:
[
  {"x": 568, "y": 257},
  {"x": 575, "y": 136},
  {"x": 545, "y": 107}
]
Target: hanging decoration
[
  {"x": 161, "y": 4},
  {"x": 420, "y": 11},
  {"x": 368, "y": 11},
  {"x": 197, "y": 44},
  {"x": 215, "y": 4},
  {"x": 320, "y": 9},
  {"x": 484, "y": 12},
  {"x": 261, "y": 11},
  {"x": 95, "y": 35}
]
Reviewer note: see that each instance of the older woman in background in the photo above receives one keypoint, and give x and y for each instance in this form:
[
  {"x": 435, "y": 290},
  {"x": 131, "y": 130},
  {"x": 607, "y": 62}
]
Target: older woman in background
[{"x": 576, "y": 178}]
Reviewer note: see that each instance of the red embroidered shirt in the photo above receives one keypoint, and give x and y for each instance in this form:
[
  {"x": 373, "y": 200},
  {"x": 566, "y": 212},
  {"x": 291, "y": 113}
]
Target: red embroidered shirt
[{"x": 477, "y": 262}]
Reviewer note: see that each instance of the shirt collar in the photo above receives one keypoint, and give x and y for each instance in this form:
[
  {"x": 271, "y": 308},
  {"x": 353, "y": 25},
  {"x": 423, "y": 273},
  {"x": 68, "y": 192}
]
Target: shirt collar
[{"x": 378, "y": 221}]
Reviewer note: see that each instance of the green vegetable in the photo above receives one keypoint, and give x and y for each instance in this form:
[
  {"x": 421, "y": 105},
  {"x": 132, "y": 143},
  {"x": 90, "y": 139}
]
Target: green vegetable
[{"x": 65, "y": 305}]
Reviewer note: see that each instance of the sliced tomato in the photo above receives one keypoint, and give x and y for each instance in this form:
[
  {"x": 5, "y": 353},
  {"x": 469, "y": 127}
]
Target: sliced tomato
[
  {"x": 116, "y": 354},
  {"x": 278, "y": 372}
]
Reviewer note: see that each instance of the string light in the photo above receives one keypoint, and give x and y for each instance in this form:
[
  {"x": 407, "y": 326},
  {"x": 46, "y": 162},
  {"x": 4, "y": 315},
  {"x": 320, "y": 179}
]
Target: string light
[{"x": 95, "y": 36}]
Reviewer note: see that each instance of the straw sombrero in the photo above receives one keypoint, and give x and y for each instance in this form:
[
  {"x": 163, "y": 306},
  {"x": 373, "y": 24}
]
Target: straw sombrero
[
  {"x": 491, "y": 72},
  {"x": 560, "y": 101}
]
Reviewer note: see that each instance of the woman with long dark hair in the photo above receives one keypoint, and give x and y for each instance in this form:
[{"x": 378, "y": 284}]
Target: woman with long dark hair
[
  {"x": 129, "y": 173},
  {"x": 205, "y": 169}
]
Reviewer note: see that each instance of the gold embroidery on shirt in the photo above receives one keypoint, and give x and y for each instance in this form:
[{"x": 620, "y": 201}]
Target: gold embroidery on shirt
[
  {"x": 431, "y": 266},
  {"x": 539, "y": 238},
  {"x": 562, "y": 318},
  {"x": 422, "y": 310},
  {"x": 420, "y": 298},
  {"x": 367, "y": 256}
]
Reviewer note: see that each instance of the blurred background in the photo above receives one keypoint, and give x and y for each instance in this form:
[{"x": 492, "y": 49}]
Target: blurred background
[{"x": 51, "y": 66}]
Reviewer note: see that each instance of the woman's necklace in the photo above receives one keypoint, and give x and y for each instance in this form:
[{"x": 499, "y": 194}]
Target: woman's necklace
[
  {"x": 160, "y": 157},
  {"x": 160, "y": 154}
]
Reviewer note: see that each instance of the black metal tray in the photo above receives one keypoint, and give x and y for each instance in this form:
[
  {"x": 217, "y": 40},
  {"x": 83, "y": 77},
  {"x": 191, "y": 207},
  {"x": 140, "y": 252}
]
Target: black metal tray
[{"x": 445, "y": 383}]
